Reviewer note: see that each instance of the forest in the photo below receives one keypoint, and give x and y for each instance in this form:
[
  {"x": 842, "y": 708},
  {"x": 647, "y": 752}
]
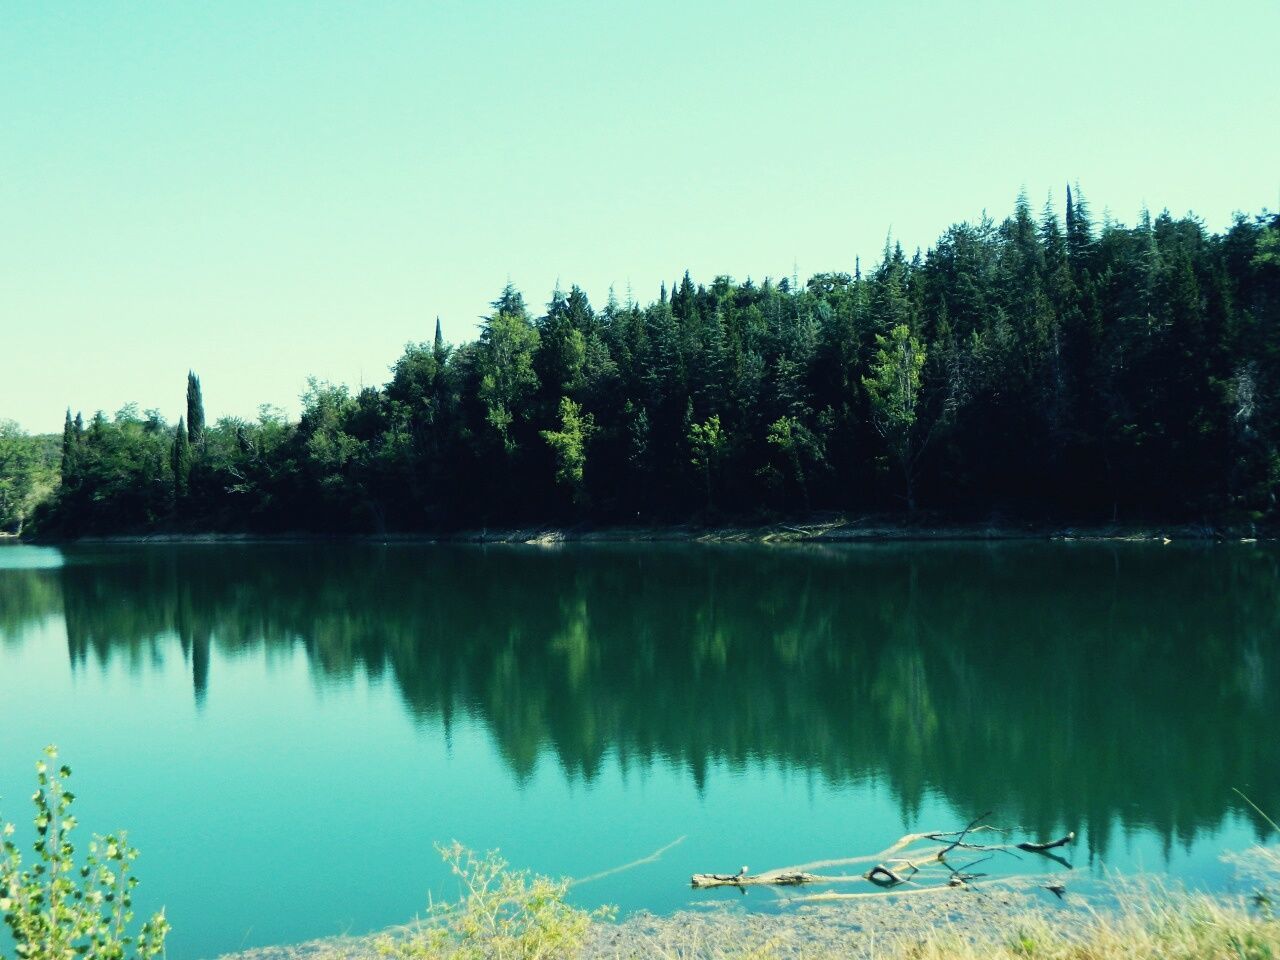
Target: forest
[{"x": 1044, "y": 368}]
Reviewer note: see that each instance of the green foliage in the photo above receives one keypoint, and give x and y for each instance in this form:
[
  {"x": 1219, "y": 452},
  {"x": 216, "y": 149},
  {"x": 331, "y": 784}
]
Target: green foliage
[
  {"x": 28, "y": 474},
  {"x": 61, "y": 909},
  {"x": 570, "y": 445},
  {"x": 1085, "y": 374},
  {"x": 562, "y": 353},
  {"x": 799, "y": 453},
  {"x": 195, "y": 409},
  {"x": 707, "y": 448},
  {"x": 502, "y": 914},
  {"x": 507, "y": 376},
  {"x": 123, "y": 477},
  {"x": 893, "y": 389},
  {"x": 180, "y": 461},
  {"x": 894, "y": 386},
  {"x": 72, "y": 434}
]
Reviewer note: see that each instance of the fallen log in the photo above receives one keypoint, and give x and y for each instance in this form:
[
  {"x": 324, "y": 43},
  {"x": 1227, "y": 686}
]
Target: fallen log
[
  {"x": 915, "y": 889},
  {"x": 773, "y": 879},
  {"x": 1051, "y": 845}
]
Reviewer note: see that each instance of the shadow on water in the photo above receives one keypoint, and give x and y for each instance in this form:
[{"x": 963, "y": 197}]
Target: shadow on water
[{"x": 1087, "y": 685}]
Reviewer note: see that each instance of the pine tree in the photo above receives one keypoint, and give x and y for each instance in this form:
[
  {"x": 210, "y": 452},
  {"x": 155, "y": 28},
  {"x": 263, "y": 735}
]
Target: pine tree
[
  {"x": 1079, "y": 230},
  {"x": 562, "y": 350},
  {"x": 195, "y": 409},
  {"x": 510, "y": 301}
]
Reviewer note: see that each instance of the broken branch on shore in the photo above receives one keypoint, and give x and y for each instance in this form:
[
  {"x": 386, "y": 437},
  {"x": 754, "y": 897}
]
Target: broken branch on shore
[
  {"x": 774, "y": 878},
  {"x": 959, "y": 841},
  {"x": 1052, "y": 845},
  {"x": 891, "y": 868}
]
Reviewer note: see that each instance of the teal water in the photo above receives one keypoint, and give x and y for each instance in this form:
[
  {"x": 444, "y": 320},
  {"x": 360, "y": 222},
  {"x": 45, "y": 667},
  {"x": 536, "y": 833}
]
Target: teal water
[{"x": 286, "y": 730}]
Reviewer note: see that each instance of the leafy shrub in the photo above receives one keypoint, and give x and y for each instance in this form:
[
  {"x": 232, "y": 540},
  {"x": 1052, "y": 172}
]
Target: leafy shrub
[
  {"x": 502, "y": 914},
  {"x": 58, "y": 910}
]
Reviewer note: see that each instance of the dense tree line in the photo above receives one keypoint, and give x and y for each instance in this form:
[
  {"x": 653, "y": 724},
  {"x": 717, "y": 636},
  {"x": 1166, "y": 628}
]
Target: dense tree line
[{"x": 1042, "y": 367}]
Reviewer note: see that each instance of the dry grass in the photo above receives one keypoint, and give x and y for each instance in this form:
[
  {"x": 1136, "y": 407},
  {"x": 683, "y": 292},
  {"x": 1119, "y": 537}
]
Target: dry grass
[
  {"x": 1146, "y": 925},
  {"x": 1169, "y": 928},
  {"x": 1142, "y": 920}
]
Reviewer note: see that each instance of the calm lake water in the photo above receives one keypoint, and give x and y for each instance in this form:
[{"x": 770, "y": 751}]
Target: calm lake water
[{"x": 286, "y": 730}]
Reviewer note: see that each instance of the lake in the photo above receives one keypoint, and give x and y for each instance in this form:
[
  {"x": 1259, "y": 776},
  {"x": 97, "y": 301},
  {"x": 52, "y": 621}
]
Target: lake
[{"x": 287, "y": 729}]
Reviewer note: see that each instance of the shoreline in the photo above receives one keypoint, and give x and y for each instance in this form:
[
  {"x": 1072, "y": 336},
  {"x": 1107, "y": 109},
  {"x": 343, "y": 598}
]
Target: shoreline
[
  {"x": 852, "y": 930},
  {"x": 834, "y": 531},
  {"x": 1146, "y": 920}
]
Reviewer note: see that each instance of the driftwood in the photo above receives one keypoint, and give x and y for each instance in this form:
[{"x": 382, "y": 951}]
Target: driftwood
[
  {"x": 1042, "y": 847},
  {"x": 883, "y": 876},
  {"x": 959, "y": 840},
  {"x": 1019, "y": 882},
  {"x": 904, "y": 866},
  {"x": 775, "y": 878},
  {"x": 651, "y": 858}
]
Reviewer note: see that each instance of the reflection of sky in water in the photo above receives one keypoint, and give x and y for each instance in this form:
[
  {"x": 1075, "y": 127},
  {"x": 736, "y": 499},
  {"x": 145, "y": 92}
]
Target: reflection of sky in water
[
  {"x": 24, "y": 557},
  {"x": 292, "y": 802}
]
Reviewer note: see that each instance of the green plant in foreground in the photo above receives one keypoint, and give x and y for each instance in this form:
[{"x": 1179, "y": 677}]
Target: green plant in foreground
[
  {"x": 502, "y": 914},
  {"x": 58, "y": 910}
]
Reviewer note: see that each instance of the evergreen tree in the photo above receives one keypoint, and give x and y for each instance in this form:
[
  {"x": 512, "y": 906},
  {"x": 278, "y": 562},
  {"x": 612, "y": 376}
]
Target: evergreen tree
[
  {"x": 70, "y": 440},
  {"x": 180, "y": 462},
  {"x": 1079, "y": 229},
  {"x": 562, "y": 349},
  {"x": 505, "y": 364},
  {"x": 195, "y": 410}
]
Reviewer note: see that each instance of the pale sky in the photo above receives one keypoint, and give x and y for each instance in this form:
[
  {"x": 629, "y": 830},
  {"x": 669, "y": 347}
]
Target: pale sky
[{"x": 264, "y": 191}]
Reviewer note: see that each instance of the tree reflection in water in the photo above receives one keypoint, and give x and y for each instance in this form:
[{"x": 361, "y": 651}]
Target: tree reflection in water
[{"x": 1063, "y": 684}]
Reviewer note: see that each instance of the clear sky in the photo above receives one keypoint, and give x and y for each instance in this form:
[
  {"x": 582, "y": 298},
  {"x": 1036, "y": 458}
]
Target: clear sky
[{"x": 268, "y": 190}]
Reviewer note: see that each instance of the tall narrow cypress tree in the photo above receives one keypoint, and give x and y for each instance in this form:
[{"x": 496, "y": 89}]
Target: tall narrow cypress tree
[
  {"x": 180, "y": 460},
  {"x": 68, "y": 450},
  {"x": 195, "y": 409},
  {"x": 438, "y": 348}
]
